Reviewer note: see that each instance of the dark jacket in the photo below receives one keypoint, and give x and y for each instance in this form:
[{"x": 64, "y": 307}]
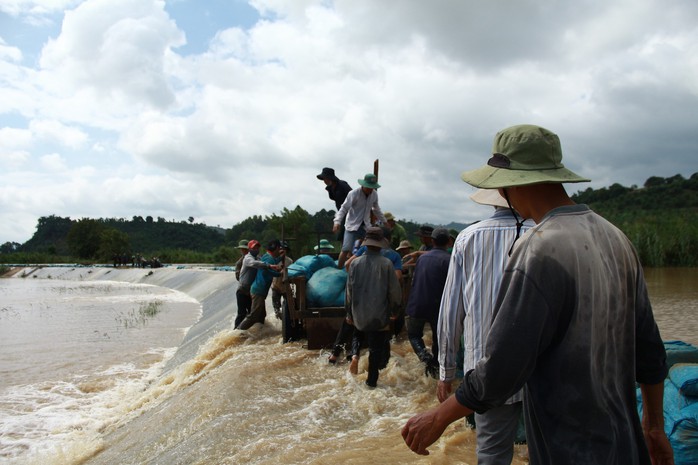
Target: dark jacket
[
  {"x": 428, "y": 284},
  {"x": 373, "y": 291},
  {"x": 338, "y": 191}
]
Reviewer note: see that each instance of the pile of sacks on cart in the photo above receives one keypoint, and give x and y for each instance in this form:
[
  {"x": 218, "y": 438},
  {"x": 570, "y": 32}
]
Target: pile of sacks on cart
[{"x": 326, "y": 283}]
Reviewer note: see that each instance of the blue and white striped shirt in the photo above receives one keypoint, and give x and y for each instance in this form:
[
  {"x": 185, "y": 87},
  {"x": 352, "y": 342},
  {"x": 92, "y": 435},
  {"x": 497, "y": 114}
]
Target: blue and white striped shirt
[{"x": 479, "y": 256}]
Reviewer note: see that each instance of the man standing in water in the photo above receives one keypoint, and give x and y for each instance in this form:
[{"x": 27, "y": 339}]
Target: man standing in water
[
  {"x": 573, "y": 323},
  {"x": 423, "y": 304},
  {"x": 254, "y": 310},
  {"x": 242, "y": 296},
  {"x": 474, "y": 276},
  {"x": 242, "y": 247},
  {"x": 372, "y": 293}
]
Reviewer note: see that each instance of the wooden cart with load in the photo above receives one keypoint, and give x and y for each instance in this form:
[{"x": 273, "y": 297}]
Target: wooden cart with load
[
  {"x": 319, "y": 325},
  {"x": 314, "y": 301}
]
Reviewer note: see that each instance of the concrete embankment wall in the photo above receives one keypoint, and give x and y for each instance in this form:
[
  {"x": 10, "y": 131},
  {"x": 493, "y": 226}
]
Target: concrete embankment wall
[{"x": 215, "y": 290}]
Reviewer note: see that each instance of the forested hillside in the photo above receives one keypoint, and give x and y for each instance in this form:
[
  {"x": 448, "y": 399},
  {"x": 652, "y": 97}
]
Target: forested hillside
[
  {"x": 660, "y": 218},
  {"x": 59, "y": 239}
]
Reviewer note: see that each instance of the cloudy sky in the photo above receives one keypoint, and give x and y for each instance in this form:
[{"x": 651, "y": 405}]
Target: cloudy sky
[{"x": 223, "y": 109}]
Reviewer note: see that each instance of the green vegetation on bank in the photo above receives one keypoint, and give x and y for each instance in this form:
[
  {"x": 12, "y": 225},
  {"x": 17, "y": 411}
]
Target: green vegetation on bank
[
  {"x": 660, "y": 218},
  {"x": 62, "y": 240}
]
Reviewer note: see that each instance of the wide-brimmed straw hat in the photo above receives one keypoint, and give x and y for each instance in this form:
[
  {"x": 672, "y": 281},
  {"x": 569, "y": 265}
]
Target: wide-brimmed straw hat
[
  {"x": 404, "y": 245},
  {"x": 374, "y": 237},
  {"x": 522, "y": 155},
  {"x": 489, "y": 197},
  {"x": 370, "y": 181}
]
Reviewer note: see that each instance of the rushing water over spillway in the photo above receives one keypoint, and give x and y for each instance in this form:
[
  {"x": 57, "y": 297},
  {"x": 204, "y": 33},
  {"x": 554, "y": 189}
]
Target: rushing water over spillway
[{"x": 224, "y": 397}]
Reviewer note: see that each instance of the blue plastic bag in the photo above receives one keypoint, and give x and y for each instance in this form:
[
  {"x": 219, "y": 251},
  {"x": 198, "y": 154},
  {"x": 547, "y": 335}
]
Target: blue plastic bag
[{"x": 327, "y": 288}]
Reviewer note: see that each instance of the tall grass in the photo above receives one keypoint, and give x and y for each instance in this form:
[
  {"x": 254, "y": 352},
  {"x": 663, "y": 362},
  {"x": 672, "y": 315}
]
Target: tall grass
[{"x": 663, "y": 239}]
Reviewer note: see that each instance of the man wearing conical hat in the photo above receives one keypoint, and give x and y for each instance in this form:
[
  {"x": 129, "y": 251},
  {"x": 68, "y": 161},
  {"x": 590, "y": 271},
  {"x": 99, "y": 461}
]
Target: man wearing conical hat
[{"x": 573, "y": 324}]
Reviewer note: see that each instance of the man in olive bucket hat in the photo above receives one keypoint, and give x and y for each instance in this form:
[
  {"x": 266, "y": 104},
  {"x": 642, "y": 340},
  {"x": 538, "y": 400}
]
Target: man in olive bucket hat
[
  {"x": 356, "y": 214},
  {"x": 572, "y": 323}
]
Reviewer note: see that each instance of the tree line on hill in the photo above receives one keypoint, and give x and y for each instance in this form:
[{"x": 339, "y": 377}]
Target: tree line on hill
[
  {"x": 63, "y": 240},
  {"x": 659, "y": 218}
]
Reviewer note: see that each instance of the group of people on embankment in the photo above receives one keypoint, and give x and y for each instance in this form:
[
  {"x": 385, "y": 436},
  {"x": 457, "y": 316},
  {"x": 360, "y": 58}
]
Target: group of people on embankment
[{"x": 547, "y": 297}]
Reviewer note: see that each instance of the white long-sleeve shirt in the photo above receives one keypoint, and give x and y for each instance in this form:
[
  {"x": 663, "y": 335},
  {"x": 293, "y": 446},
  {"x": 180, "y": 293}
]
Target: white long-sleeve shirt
[
  {"x": 356, "y": 210},
  {"x": 474, "y": 276}
]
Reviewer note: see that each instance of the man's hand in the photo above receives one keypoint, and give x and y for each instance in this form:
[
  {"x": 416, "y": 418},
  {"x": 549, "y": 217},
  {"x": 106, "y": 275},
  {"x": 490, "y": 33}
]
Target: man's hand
[
  {"x": 653, "y": 424},
  {"x": 659, "y": 447},
  {"x": 443, "y": 390},
  {"x": 335, "y": 227},
  {"x": 421, "y": 431}
]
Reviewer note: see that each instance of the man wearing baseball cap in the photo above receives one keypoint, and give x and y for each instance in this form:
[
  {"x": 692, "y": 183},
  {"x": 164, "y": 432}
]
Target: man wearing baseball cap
[
  {"x": 423, "y": 303},
  {"x": 573, "y": 324},
  {"x": 251, "y": 266}
]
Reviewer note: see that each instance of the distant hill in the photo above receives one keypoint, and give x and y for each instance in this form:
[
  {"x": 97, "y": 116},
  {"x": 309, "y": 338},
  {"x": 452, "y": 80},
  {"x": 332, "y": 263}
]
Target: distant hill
[
  {"x": 660, "y": 218},
  {"x": 146, "y": 236},
  {"x": 657, "y": 193}
]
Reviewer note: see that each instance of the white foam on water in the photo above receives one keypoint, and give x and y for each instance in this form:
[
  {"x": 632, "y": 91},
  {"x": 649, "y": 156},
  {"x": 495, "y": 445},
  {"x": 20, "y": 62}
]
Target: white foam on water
[
  {"x": 78, "y": 357},
  {"x": 37, "y": 420}
]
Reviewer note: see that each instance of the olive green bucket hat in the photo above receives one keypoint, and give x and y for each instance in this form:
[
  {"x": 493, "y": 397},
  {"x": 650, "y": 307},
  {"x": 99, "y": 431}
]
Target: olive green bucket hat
[
  {"x": 522, "y": 155},
  {"x": 324, "y": 244}
]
